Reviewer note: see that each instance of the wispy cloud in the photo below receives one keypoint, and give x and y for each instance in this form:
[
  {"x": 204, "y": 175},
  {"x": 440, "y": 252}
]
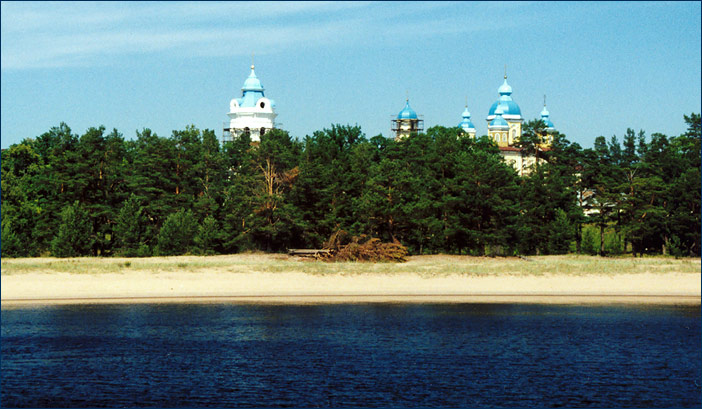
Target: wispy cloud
[{"x": 42, "y": 35}]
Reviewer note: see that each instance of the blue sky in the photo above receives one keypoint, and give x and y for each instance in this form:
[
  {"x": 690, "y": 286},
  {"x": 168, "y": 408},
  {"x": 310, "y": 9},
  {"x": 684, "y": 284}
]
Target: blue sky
[{"x": 603, "y": 66}]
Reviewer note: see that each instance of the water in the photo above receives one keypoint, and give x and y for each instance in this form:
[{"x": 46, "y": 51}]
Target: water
[{"x": 369, "y": 355}]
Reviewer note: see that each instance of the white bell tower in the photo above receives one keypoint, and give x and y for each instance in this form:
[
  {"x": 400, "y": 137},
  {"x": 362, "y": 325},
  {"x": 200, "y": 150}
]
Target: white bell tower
[{"x": 253, "y": 113}]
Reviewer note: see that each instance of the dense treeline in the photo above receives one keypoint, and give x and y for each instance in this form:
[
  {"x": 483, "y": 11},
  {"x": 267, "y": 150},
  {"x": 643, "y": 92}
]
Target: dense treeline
[{"x": 99, "y": 194}]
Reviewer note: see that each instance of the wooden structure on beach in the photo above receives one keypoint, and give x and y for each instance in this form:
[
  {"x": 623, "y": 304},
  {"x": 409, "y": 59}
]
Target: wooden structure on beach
[{"x": 313, "y": 253}]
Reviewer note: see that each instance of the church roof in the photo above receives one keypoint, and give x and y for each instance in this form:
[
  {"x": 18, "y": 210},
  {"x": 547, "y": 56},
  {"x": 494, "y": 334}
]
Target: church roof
[
  {"x": 252, "y": 91},
  {"x": 407, "y": 112},
  {"x": 466, "y": 124},
  {"x": 505, "y": 88},
  {"x": 499, "y": 121},
  {"x": 509, "y": 107},
  {"x": 546, "y": 120}
]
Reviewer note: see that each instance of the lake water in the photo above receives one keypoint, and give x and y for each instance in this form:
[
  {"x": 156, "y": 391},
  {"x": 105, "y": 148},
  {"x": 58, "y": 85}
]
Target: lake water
[{"x": 351, "y": 355}]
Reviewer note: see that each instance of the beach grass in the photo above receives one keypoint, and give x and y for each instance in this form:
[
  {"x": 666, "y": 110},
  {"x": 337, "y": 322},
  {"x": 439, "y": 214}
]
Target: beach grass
[{"x": 426, "y": 266}]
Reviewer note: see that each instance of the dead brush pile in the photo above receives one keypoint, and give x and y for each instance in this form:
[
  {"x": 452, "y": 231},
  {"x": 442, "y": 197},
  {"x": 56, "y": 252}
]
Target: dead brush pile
[{"x": 344, "y": 247}]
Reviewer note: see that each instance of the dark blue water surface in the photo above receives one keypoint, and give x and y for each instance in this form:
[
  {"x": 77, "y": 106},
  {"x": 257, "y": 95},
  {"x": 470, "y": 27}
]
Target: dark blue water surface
[{"x": 369, "y": 355}]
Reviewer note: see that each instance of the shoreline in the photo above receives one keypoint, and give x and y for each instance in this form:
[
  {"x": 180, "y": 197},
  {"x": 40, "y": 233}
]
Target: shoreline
[
  {"x": 551, "y": 299},
  {"x": 275, "y": 279}
]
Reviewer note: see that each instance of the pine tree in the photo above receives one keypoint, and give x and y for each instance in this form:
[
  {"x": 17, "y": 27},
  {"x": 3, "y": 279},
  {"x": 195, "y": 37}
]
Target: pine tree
[
  {"x": 151, "y": 177},
  {"x": 177, "y": 236},
  {"x": 75, "y": 233},
  {"x": 207, "y": 239},
  {"x": 130, "y": 228}
]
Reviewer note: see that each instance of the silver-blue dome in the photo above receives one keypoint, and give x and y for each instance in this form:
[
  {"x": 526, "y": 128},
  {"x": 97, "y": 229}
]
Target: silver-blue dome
[{"x": 407, "y": 112}]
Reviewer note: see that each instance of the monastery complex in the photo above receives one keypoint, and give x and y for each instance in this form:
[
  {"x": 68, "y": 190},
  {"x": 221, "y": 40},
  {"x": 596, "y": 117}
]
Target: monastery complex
[{"x": 254, "y": 114}]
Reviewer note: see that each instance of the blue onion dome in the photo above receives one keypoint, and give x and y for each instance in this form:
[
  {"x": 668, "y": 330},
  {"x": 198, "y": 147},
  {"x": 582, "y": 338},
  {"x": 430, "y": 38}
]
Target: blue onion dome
[
  {"x": 546, "y": 120},
  {"x": 466, "y": 124},
  {"x": 499, "y": 121},
  {"x": 505, "y": 89},
  {"x": 509, "y": 107},
  {"x": 407, "y": 112},
  {"x": 252, "y": 83}
]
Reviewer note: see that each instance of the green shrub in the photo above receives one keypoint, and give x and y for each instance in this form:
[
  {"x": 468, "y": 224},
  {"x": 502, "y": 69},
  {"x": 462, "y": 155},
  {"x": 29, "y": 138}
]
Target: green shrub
[
  {"x": 561, "y": 234},
  {"x": 613, "y": 243},
  {"x": 590, "y": 240},
  {"x": 177, "y": 236},
  {"x": 11, "y": 245}
]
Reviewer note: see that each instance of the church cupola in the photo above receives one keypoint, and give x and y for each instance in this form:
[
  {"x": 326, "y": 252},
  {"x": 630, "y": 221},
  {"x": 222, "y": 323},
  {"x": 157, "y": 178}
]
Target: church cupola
[
  {"x": 545, "y": 118},
  {"x": 466, "y": 124},
  {"x": 550, "y": 128},
  {"x": 498, "y": 129},
  {"x": 407, "y": 122},
  {"x": 510, "y": 112},
  {"x": 252, "y": 114}
]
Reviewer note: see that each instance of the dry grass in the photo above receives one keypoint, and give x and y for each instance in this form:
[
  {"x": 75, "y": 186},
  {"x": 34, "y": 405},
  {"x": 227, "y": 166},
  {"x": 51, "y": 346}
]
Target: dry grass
[{"x": 426, "y": 266}]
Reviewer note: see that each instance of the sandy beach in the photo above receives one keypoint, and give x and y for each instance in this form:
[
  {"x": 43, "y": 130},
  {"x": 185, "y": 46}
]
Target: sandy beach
[{"x": 281, "y": 279}]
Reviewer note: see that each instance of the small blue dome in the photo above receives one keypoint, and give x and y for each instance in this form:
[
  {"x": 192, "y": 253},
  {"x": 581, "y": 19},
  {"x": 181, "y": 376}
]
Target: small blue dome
[
  {"x": 252, "y": 83},
  {"x": 466, "y": 124},
  {"x": 407, "y": 112},
  {"x": 546, "y": 120},
  {"x": 499, "y": 121},
  {"x": 252, "y": 91},
  {"x": 505, "y": 89}
]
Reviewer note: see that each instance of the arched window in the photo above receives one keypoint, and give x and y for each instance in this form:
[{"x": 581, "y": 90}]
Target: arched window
[
  {"x": 247, "y": 131},
  {"x": 263, "y": 130},
  {"x": 262, "y": 104}
]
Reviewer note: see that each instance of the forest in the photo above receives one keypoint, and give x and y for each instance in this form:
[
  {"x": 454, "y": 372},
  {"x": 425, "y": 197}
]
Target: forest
[{"x": 99, "y": 194}]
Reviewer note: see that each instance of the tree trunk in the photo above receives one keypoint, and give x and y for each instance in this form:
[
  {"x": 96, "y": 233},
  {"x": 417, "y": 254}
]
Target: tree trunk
[
  {"x": 665, "y": 246},
  {"x": 579, "y": 239}
]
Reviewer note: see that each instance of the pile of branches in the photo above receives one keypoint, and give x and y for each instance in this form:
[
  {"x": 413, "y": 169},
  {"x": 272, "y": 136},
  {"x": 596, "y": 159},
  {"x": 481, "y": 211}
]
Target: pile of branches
[{"x": 344, "y": 247}]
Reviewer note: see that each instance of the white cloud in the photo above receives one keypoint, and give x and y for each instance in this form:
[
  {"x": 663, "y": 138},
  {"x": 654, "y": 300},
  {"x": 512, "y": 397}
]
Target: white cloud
[{"x": 41, "y": 35}]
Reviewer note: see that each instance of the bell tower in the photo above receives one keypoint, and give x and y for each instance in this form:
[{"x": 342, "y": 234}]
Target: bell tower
[
  {"x": 407, "y": 122},
  {"x": 252, "y": 114}
]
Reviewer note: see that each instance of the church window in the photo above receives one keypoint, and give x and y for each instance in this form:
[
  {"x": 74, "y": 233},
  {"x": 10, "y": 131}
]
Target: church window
[
  {"x": 247, "y": 131},
  {"x": 263, "y": 130},
  {"x": 262, "y": 104}
]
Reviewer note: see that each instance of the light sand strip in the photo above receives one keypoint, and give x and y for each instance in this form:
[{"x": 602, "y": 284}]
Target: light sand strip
[
  {"x": 296, "y": 287},
  {"x": 571, "y": 299}
]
